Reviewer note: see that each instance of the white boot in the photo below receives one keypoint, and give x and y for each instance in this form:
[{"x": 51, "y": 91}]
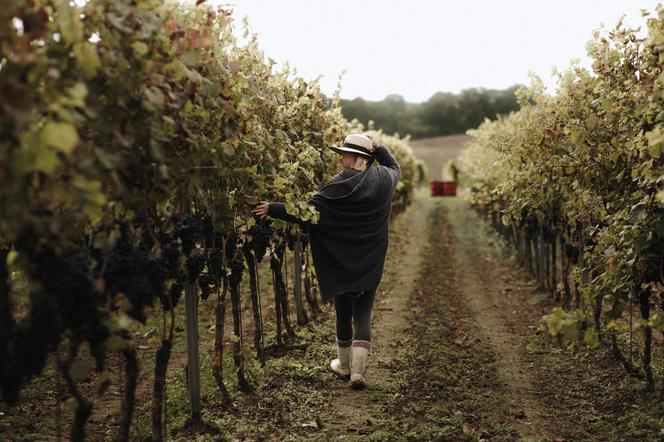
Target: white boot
[
  {"x": 341, "y": 365},
  {"x": 358, "y": 367}
]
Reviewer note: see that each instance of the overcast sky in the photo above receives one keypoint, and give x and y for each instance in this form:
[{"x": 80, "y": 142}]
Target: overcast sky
[{"x": 417, "y": 47}]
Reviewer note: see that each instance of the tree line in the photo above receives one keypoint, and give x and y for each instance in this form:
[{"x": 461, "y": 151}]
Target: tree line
[{"x": 444, "y": 113}]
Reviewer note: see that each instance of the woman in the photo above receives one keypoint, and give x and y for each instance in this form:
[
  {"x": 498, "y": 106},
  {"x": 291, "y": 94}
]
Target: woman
[{"x": 349, "y": 243}]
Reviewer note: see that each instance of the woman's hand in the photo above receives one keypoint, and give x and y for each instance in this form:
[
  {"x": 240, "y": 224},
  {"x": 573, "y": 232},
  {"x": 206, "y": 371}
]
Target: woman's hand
[
  {"x": 374, "y": 142},
  {"x": 261, "y": 209}
]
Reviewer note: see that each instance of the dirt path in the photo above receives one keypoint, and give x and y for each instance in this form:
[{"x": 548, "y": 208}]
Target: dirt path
[
  {"x": 452, "y": 339},
  {"x": 486, "y": 281},
  {"x": 445, "y": 363}
]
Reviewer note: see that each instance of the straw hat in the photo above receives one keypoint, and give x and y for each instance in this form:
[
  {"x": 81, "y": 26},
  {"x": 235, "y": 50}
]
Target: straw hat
[{"x": 357, "y": 144}]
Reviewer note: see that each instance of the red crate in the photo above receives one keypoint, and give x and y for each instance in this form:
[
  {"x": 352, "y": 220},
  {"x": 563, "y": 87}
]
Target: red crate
[
  {"x": 443, "y": 188},
  {"x": 436, "y": 188},
  {"x": 449, "y": 188}
]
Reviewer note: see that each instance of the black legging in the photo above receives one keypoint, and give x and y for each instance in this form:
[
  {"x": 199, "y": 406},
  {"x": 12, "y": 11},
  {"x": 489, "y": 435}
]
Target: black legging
[{"x": 354, "y": 309}]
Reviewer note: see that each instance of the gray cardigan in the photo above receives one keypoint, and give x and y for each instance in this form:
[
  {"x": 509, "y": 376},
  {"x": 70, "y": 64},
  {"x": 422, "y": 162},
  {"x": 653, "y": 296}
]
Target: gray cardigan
[{"x": 349, "y": 242}]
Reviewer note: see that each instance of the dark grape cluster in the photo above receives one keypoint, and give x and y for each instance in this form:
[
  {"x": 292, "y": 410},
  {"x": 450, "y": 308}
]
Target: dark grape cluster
[
  {"x": 212, "y": 278},
  {"x": 531, "y": 225},
  {"x": 170, "y": 255},
  {"x": 260, "y": 238},
  {"x": 195, "y": 265},
  {"x": 158, "y": 273},
  {"x": 237, "y": 268},
  {"x": 215, "y": 260},
  {"x": 170, "y": 261},
  {"x": 147, "y": 240},
  {"x": 206, "y": 282},
  {"x": 177, "y": 288},
  {"x": 185, "y": 229},
  {"x": 231, "y": 245},
  {"x": 206, "y": 267},
  {"x": 65, "y": 298},
  {"x": 208, "y": 232},
  {"x": 290, "y": 240},
  {"x": 547, "y": 233},
  {"x": 572, "y": 253},
  {"x": 126, "y": 273}
]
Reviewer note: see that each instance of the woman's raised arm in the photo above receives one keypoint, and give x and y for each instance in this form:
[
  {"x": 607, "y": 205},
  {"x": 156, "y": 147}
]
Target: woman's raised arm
[
  {"x": 385, "y": 158},
  {"x": 275, "y": 210}
]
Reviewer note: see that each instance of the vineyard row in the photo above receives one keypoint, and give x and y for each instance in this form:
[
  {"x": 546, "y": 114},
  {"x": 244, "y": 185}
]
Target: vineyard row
[
  {"x": 134, "y": 135},
  {"x": 574, "y": 182}
]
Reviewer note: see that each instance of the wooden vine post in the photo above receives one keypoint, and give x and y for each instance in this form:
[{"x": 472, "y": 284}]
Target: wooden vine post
[
  {"x": 193, "y": 369},
  {"x": 191, "y": 326},
  {"x": 542, "y": 261},
  {"x": 297, "y": 268}
]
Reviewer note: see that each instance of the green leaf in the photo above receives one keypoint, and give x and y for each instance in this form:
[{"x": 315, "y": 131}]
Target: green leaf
[
  {"x": 591, "y": 339},
  {"x": 62, "y": 136},
  {"x": 106, "y": 159},
  {"x": 77, "y": 94},
  {"x": 140, "y": 49},
  {"x": 176, "y": 70},
  {"x": 69, "y": 24},
  {"x": 155, "y": 98},
  {"x": 11, "y": 257},
  {"x": 35, "y": 156},
  {"x": 655, "y": 139},
  {"x": 660, "y": 195},
  {"x": 106, "y": 242},
  {"x": 87, "y": 58},
  {"x": 190, "y": 58},
  {"x": 591, "y": 121},
  {"x": 46, "y": 161}
]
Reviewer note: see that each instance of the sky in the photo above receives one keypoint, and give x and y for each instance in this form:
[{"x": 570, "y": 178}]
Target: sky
[{"x": 415, "y": 48}]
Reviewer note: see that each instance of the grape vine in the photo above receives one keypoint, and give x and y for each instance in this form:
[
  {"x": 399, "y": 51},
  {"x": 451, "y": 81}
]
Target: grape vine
[
  {"x": 130, "y": 133},
  {"x": 574, "y": 181}
]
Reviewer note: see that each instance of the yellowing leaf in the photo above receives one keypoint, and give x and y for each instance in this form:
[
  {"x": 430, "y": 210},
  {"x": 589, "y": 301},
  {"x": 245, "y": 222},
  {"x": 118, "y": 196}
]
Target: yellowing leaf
[
  {"x": 655, "y": 139},
  {"x": 11, "y": 257},
  {"x": 69, "y": 24},
  {"x": 176, "y": 69},
  {"x": 62, "y": 136},
  {"x": 46, "y": 161},
  {"x": 140, "y": 49},
  {"x": 660, "y": 195},
  {"x": 76, "y": 95},
  {"x": 88, "y": 59}
]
